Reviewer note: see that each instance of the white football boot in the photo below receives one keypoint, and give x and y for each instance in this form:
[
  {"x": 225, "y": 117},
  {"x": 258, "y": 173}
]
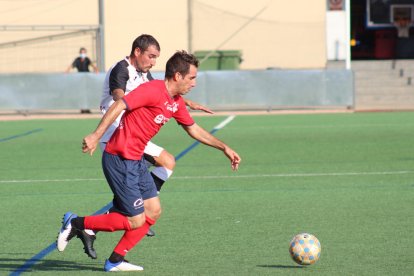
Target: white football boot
[
  {"x": 121, "y": 266},
  {"x": 66, "y": 232}
]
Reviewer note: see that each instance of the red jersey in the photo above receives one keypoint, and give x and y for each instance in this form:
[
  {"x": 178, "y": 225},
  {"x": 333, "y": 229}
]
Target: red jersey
[{"x": 149, "y": 107}]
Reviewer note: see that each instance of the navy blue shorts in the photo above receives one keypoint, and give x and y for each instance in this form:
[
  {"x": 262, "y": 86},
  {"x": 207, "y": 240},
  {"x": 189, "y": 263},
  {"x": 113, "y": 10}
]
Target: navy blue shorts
[{"x": 130, "y": 181}]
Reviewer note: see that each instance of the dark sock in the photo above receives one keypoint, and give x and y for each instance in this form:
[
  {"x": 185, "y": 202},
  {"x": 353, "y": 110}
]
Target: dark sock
[
  {"x": 150, "y": 159},
  {"x": 158, "y": 181},
  {"x": 78, "y": 223},
  {"x": 116, "y": 258}
]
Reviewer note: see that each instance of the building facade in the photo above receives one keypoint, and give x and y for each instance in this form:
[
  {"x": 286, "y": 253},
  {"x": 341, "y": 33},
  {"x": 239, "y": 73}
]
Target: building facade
[{"x": 269, "y": 34}]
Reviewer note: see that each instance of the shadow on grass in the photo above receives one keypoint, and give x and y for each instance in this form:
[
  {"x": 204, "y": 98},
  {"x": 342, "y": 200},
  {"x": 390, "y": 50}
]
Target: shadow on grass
[
  {"x": 15, "y": 265},
  {"x": 280, "y": 266}
]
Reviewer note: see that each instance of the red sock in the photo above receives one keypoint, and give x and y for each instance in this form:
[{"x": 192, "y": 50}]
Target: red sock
[
  {"x": 108, "y": 222},
  {"x": 132, "y": 237}
]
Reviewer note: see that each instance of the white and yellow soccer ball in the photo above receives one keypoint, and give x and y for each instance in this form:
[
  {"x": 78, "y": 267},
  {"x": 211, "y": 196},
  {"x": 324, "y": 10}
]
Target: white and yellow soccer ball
[{"x": 305, "y": 249}]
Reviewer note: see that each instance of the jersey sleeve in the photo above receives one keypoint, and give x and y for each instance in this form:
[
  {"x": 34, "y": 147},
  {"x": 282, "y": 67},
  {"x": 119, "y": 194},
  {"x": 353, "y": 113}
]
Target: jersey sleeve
[
  {"x": 118, "y": 78},
  {"x": 182, "y": 116},
  {"x": 143, "y": 95}
]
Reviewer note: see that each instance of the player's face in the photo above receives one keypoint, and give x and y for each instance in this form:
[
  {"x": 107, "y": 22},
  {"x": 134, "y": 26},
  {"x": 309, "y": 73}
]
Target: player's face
[
  {"x": 145, "y": 60},
  {"x": 187, "y": 82}
]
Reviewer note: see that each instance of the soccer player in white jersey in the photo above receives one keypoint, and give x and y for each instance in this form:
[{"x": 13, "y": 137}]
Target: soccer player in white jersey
[{"x": 122, "y": 78}]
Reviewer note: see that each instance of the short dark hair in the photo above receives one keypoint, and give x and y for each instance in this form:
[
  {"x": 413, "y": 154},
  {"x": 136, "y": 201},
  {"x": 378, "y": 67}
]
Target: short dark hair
[
  {"x": 143, "y": 42},
  {"x": 82, "y": 49},
  {"x": 180, "y": 62}
]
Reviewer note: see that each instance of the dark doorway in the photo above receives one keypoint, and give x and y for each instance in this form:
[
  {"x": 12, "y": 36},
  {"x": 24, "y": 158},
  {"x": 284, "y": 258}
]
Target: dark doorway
[{"x": 377, "y": 29}]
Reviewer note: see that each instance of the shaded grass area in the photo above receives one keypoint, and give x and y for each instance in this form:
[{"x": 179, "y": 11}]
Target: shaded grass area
[{"x": 347, "y": 178}]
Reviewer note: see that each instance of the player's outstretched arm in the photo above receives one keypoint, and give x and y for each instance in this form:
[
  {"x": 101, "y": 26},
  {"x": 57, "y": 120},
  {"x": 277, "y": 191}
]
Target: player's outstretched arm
[
  {"x": 196, "y": 106},
  {"x": 91, "y": 141},
  {"x": 206, "y": 138}
]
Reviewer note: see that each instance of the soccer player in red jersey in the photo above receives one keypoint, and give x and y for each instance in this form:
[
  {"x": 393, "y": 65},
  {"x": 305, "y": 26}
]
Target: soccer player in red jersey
[
  {"x": 136, "y": 203},
  {"x": 122, "y": 78}
]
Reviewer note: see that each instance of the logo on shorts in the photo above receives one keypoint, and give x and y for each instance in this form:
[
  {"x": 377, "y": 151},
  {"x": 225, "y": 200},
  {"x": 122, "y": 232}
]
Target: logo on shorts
[{"x": 139, "y": 203}]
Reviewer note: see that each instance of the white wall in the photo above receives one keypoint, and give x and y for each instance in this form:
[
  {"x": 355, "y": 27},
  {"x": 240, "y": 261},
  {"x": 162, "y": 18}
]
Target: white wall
[
  {"x": 336, "y": 35},
  {"x": 220, "y": 90}
]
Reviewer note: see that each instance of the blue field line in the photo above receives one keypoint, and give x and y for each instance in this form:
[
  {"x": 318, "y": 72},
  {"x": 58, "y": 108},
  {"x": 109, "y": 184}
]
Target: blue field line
[
  {"x": 37, "y": 258},
  {"x": 20, "y": 135},
  {"x": 184, "y": 152},
  {"x": 32, "y": 261}
]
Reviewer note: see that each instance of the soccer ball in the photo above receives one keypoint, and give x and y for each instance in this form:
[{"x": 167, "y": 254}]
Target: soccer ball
[{"x": 305, "y": 249}]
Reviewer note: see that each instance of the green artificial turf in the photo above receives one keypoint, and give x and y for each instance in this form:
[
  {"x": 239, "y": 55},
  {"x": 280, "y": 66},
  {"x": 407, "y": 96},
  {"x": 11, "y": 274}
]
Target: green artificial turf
[{"x": 346, "y": 178}]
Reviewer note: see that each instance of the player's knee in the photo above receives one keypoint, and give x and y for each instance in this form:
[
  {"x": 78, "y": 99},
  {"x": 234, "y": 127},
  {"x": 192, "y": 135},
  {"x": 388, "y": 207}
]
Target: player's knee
[
  {"x": 166, "y": 160},
  {"x": 157, "y": 213},
  {"x": 136, "y": 221},
  {"x": 169, "y": 161},
  {"x": 154, "y": 213}
]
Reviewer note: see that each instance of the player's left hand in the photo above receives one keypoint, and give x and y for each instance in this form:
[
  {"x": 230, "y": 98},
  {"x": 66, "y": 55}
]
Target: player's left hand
[
  {"x": 196, "y": 106},
  {"x": 89, "y": 144},
  {"x": 234, "y": 158},
  {"x": 202, "y": 108}
]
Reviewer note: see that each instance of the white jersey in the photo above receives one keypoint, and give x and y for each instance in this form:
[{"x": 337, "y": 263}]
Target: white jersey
[{"x": 122, "y": 75}]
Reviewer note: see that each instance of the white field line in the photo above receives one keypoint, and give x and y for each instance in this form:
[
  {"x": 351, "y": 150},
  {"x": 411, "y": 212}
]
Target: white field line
[
  {"x": 51, "y": 180},
  {"x": 225, "y": 122},
  {"x": 287, "y": 175},
  {"x": 296, "y": 175}
]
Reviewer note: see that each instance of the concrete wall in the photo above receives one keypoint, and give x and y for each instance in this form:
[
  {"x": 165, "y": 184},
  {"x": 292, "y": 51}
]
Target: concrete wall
[
  {"x": 285, "y": 34},
  {"x": 50, "y": 91},
  {"x": 225, "y": 90}
]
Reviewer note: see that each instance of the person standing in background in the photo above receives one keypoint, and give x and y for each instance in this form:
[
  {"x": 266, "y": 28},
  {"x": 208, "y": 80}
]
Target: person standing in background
[{"x": 82, "y": 63}]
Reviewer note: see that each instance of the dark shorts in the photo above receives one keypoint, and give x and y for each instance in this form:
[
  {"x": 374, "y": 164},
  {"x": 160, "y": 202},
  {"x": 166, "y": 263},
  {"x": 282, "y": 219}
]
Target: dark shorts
[{"x": 130, "y": 181}]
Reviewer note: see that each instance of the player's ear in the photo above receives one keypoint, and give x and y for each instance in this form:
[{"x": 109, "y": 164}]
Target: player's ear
[
  {"x": 177, "y": 76},
  {"x": 137, "y": 51}
]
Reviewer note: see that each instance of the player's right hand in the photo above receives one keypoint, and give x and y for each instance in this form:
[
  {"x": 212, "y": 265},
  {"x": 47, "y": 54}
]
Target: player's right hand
[{"x": 89, "y": 144}]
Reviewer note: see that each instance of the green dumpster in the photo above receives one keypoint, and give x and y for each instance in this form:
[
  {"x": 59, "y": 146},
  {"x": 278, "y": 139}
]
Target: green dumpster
[{"x": 219, "y": 60}]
